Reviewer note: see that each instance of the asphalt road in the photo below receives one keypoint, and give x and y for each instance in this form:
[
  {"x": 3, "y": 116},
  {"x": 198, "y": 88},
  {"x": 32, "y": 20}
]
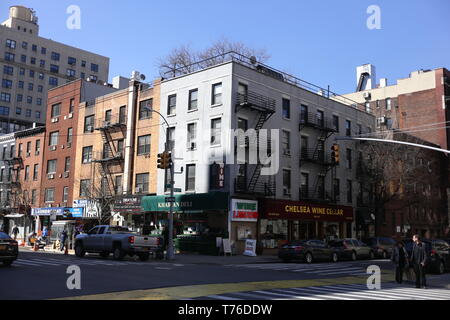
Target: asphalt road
[{"x": 44, "y": 276}]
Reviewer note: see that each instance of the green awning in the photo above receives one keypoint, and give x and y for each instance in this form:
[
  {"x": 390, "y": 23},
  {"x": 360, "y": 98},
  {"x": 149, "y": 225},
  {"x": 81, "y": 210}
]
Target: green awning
[{"x": 187, "y": 202}]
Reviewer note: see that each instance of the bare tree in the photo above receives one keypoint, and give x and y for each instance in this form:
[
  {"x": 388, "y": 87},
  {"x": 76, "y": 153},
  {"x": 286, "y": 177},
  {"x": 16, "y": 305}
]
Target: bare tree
[{"x": 184, "y": 59}]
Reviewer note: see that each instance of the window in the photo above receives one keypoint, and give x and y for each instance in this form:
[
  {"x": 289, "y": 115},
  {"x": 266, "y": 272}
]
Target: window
[
  {"x": 54, "y": 68},
  {"x": 20, "y": 84},
  {"x": 145, "y": 109},
  {"x": 286, "y": 182},
  {"x": 43, "y": 51},
  {"x": 171, "y": 104},
  {"x": 27, "y": 173},
  {"x": 190, "y": 177},
  {"x": 171, "y": 138},
  {"x": 30, "y": 86},
  {"x": 144, "y": 145},
  {"x": 216, "y": 131},
  {"x": 123, "y": 115},
  {"x": 51, "y": 166},
  {"x": 28, "y": 147},
  {"x": 40, "y": 89},
  {"x": 29, "y": 99},
  {"x": 7, "y": 84},
  {"x": 72, "y": 61},
  {"x": 192, "y": 136},
  {"x": 82, "y": 75},
  {"x": 94, "y": 67},
  {"x": 38, "y": 102},
  {"x": 108, "y": 115},
  {"x": 348, "y": 127},
  {"x": 388, "y": 104},
  {"x": 367, "y": 106},
  {"x": 118, "y": 184},
  {"x": 89, "y": 124},
  {"x": 321, "y": 187},
  {"x": 320, "y": 118},
  {"x": 24, "y": 45},
  {"x": 70, "y": 73},
  {"x": 85, "y": 186},
  {"x": 19, "y": 98},
  {"x": 22, "y": 71},
  {"x": 38, "y": 146},
  {"x": 50, "y": 195},
  {"x": 304, "y": 185},
  {"x": 286, "y": 142},
  {"x": 19, "y": 152},
  {"x": 55, "y": 56},
  {"x": 10, "y": 56},
  {"x": 52, "y": 81},
  {"x": 349, "y": 191},
  {"x": 349, "y": 158},
  {"x": 217, "y": 94},
  {"x": 4, "y": 111},
  {"x": 33, "y": 196},
  {"x": 28, "y": 113},
  {"x": 42, "y": 63},
  {"x": 10, "y": 43},
  {"x": 336, "y": 189},
  {"x": 34, "y": 48},
  {"x": 38, "y": 114},
  {"x": 286, "y": 108},
  {"x": 18, "y": 111},
  {"x": 33, "y": 60},
  {"x": 193, "y": 99},
  {"x": 67, "y": 164},
  {"x": 65, "y": 194},
  {"x": 303, "y": 114},
  {"x": 8, "y": 70},
  {"x": 69, "y": 135},
  {"x": 83, "y": 63},
  {"x": 54, "y": 138},
  {"x": 6, "y": 97},
  {"x": 23, "y": 58},
  {"x": 120, "y": 145},
  {"x": 87, "y": 154},
  {"x": 336, "y": 123},
  {"x": 36, "y": 172},
  {"x": 142, "y": 183}
]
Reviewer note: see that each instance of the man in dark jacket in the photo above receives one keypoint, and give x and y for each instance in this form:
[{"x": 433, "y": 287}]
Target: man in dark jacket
[
  {"x": 63, "y": 239},
  {"x": 400, "y": 259},
  {"x": 418, "y": 260}
]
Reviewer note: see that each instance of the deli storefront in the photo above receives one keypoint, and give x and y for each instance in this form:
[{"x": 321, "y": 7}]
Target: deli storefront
[{"x": 282, "y": 221}]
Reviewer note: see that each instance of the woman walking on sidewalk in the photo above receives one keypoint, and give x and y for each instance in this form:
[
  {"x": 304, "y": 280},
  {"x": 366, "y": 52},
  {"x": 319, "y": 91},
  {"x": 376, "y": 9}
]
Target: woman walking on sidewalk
[{"x": 400, "y": 259}]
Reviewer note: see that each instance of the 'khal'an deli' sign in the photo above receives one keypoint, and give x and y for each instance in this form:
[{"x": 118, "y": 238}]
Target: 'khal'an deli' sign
[
  {"x": 292, "y": 210},
  {"x": 244, "y": 210}
]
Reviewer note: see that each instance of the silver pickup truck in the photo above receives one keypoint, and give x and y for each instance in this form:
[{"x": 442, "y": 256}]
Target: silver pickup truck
[{"x": 118, "y": 241}]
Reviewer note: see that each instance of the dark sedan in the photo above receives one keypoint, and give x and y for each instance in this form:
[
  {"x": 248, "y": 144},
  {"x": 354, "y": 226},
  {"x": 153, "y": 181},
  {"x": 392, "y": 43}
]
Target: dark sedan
[
  {"x": 308, "y": 251},
  {"x": 352, "y": 249},
  {"x": 9, "y": 249},
  {"x": 438, "y": 254},
  {"x": 382, "y": 246}
]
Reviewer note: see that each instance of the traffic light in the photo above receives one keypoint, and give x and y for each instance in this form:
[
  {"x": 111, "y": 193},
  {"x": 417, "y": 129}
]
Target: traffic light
[
  {"x": 164, "y": 160},
  {"x": 335, "y": 154}
]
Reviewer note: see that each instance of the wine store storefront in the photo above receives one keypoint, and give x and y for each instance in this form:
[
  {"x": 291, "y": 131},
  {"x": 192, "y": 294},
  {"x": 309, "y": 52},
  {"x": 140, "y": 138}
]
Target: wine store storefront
[{"x": 282, "y": 221}]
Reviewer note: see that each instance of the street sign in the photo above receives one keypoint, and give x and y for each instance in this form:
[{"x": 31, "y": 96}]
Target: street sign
[
  {"x": 170, "y": 199},
  {"x": 176, "y": 189}
]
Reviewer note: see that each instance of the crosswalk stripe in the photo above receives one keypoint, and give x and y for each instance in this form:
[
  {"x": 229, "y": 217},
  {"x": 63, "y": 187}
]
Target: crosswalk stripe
[
  {"x": 218, "y": 297},
  {"x": 43, "y": 262},
  {"x": 336, "y": 294},
  {"x": 346, "y": 270},
  {"x": 26, "y": 263},
  {"x": 424, "y": 293},
  {"x": 252, "y": 296},
  {"x": 371, "y": 294}
]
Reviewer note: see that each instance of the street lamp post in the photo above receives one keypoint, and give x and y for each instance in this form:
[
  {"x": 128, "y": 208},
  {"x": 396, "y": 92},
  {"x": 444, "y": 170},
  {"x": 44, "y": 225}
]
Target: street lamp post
[{"x": 170, "y": 249}]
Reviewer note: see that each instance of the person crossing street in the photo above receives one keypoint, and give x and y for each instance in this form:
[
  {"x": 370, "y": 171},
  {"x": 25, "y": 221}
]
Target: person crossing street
[{"x": 419, "y": 260}]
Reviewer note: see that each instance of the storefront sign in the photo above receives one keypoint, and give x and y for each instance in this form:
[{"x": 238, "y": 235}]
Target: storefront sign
[
  {"x": 217, "y": 175},
  {"x": 129, "y": 204},
  {"x": 91, "y": 209},
  {"x": 47, "y": 212},
  {"x": 250, "y": 248},
  {"x": 244, "y": 210},
  {"x": 73, "y": 212},
  {"x": 187, "y": 202},
  {"x": 292, "y": 210}
]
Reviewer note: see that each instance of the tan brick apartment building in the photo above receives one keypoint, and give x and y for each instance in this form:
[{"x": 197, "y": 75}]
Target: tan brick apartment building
[
  {"x": 117, "y": 146},
  {"x": 59, "y": 151}
]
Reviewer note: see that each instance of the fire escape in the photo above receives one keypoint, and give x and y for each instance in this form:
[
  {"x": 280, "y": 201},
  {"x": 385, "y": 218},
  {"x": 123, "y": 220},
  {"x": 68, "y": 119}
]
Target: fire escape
[
  {"x": 318, "y": 155},
  {"x": 264, "y": 107},
  {"x": 110, "y": 156}
]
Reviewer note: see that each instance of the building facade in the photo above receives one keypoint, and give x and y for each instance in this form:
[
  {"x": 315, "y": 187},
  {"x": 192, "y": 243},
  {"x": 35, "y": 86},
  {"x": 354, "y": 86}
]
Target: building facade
[
  {"x": 31, "y": 65},
  {"x": 307, "y": 196}
]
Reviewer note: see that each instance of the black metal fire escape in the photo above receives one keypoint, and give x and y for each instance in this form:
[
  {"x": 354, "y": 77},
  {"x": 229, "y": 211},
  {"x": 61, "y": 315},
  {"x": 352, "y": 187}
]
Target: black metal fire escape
[
  {"x": 318, "y": 155},
  {"x": 265, "y": 107},
  {"x": 110, "y": 155}
]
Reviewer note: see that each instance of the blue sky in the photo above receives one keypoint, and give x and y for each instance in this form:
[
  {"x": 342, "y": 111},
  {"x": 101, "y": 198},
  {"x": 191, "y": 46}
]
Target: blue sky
[{"x": 320, "y": 42}]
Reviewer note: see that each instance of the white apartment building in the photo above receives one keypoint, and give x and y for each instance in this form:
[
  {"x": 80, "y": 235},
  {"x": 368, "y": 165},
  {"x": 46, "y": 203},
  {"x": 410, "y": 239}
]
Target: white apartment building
[
  {"x": 308, "y": 197},
  {"x": 31, "y": 64}
]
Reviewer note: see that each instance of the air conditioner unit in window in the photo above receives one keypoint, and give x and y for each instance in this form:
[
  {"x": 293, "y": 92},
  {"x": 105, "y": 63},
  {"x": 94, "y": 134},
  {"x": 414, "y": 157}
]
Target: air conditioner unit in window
[
  {"x": 54, "y": 120},
  {"x": 62, "y": 146},
  {"x": 193, "y": 145},
  {"x": 69, "y": 145},
  {"x": 36, "y": 153},
  {"x": 70, "y": 115},
  {"x": 286, "y": 191},
  {"x": 51, "y": 176},
  {"x": 138, "y": 190},
  {"x": 53, "y": 148},
  {"x": 66, "y": 174},
  {"x": 90, "y": 128},
  {"x": 28, "y": 154},
  {"x": 106, "y": 123}
]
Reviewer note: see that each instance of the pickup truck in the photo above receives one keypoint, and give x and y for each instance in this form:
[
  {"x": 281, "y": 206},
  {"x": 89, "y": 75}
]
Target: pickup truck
[{"x": 118, "y": 241}]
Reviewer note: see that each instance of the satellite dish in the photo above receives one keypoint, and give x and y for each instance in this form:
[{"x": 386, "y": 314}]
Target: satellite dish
[
  {"x": 253, "y": 60},
  {"x": 142, "y": 77}
]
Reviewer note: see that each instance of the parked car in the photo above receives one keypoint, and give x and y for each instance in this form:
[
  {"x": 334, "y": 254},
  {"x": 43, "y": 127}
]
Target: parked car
[
  {"x": 352, "y": 249},
  {"x": 118, "y": 241},
  {"x": 438, "y": 252},
  {"x": 307, "y": 250},
  {"x": 382, "y": 246},
  {"x": 9, "y": 249}
]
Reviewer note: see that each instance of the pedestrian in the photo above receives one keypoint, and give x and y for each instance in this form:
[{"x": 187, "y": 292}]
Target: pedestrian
[
  {"x": 63, "y": 239},
  {"x": 44, "y": 234},
  {"x": 15, "y": 232},
  {"x": 400, "y": 259},
  {"x": 419, "y": 260}
]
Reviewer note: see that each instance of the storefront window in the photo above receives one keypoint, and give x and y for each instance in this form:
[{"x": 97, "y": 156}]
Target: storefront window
[{"x": 273, "y": 233}]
